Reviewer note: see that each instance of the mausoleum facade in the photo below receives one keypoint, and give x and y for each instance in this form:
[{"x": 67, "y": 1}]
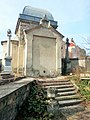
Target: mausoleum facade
[{"x": 36, "y": 50}]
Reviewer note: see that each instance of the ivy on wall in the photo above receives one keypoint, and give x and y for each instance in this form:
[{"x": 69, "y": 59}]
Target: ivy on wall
[{"x": 35, "y": 106}]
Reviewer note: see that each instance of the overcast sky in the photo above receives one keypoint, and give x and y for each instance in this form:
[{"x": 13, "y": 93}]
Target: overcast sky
[{"x": 73, "y": 17}]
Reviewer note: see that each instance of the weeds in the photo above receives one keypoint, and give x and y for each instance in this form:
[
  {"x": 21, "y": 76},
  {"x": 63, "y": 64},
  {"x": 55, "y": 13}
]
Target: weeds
[{"x": 84, "y": 87}]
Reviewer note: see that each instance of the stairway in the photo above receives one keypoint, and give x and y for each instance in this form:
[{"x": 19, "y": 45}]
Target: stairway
[
  {"x": 66, "y": 94},
  {"x": 6, "y": 78}
]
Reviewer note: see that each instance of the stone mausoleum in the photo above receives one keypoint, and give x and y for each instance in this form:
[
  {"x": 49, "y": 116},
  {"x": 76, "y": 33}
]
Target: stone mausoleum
[{"x": 36, "y": 49}]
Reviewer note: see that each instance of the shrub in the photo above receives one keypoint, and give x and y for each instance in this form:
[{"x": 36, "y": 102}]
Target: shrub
[{"x": 35, "y": 106}]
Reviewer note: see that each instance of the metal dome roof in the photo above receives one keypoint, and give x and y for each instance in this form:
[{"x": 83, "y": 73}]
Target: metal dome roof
[{"x": 28, "y": 10}]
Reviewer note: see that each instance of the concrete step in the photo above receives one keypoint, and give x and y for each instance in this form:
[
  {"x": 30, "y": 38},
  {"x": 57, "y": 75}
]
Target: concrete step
[
  {"x": 66, "y": 93},
  {"x": 53, "y": 81},
  {"x": 6, "y": 81},
  {"x": 6, "y": 76},
  {"x": 65, "y": 89},
  {"x": 60, "y": 86},
  {"x": 71, "y": 110},
  {"x": 69, "y": 102},
  {"x": 56, "y": 83},
  {"x": 60, "y": 98}
]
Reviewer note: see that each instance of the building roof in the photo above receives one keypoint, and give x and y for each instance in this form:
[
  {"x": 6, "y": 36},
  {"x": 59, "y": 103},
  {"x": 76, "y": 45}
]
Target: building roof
[
  {"x": 31, "y": 14},
  {"x": 41, "y": 26},
  {"x": 28, "y": 10}
]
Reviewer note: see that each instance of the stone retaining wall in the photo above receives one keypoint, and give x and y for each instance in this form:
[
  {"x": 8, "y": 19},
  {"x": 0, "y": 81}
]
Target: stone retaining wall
[{"x": 11, "y": 103}]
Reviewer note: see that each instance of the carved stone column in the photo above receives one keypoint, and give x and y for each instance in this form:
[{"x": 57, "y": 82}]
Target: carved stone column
[{"x": 8, "y": 58}]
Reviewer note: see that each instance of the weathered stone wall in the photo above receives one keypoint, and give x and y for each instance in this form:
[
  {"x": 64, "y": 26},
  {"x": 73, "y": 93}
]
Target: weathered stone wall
[
  {"x": 44, "y": 55},
  {"x": 49, "y": 45},
  {"x": 88, "y": 64},
  {"x": 82, "y": 63},
  {"x": 14, "y": 55},
  {"x": 74, "y": 62},
  {"x": 21, "y": 53},
  {"x": 11, "y": 102}
]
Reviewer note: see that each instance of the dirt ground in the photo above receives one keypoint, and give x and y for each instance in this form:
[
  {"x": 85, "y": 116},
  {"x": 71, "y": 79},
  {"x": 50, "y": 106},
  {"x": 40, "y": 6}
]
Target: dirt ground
[{"x": 85, "y": 115}]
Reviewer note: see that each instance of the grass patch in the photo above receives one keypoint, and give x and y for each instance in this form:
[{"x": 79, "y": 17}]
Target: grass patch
[
  {"x": 84, "y": 89},
  {"x": 83, "y": 85}
]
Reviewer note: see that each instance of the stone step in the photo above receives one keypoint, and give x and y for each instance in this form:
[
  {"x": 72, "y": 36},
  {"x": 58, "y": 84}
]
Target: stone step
[
  {"x": 65, "y": 89},
  {"x": 66, "y": 93},
  {"x": 67, "y": 97},
  {"x": 5, "y": 73},
  {"x": 56, "y": 83},
  {"x": 53, "y": 81},
  {"x": 6, "y": 76},
  {"x": 60, "y": 86},
  {"x": 72, "y": 109},
  {"x": 6, "y": 81},
  {"x": 69, "y": 102}
]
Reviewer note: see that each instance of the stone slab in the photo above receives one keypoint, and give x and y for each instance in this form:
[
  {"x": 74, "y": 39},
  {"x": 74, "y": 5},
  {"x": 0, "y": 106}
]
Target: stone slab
[{"x": 11, "y": 87}]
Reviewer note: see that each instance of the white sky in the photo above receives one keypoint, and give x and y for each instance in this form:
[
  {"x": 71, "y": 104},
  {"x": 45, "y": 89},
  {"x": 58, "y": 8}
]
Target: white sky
[{"x": 73, "y": 17}]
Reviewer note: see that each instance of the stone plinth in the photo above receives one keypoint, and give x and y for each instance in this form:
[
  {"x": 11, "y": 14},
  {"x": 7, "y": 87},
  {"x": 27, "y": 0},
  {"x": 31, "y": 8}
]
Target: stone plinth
[
  {"x": 7, "y": 72},
  {"x": 7, "y": 67}
]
